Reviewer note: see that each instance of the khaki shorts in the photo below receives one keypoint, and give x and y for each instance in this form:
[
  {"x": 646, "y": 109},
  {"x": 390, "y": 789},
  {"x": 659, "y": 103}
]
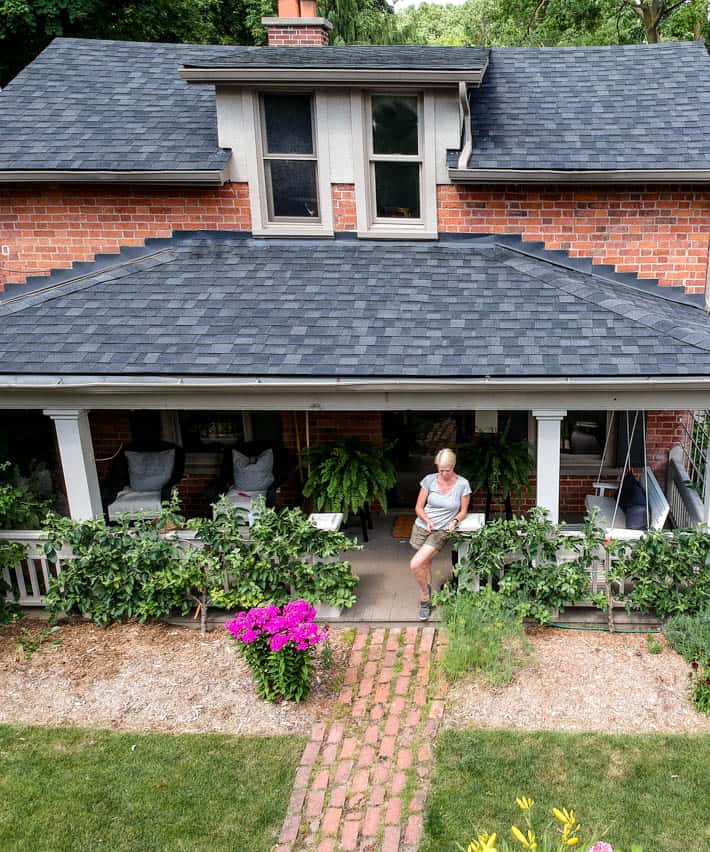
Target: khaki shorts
[{"x": 420, "y": 536}]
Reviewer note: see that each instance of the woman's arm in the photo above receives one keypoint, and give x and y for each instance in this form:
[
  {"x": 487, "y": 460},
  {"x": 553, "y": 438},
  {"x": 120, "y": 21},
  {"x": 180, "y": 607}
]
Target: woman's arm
[
  {"x": 462, "y": 512},
  {"x": 420, "y": 508}
]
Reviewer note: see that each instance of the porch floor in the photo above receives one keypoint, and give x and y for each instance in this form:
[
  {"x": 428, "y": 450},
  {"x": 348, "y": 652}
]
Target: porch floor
[{"x": 387, "y": 591}]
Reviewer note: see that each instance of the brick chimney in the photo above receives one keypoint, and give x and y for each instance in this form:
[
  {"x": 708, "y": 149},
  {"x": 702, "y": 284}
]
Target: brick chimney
[{"x": 297, "y": 25}]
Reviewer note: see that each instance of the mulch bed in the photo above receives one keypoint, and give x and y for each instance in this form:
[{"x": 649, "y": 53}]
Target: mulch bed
[{"x": 146, "y": 677}]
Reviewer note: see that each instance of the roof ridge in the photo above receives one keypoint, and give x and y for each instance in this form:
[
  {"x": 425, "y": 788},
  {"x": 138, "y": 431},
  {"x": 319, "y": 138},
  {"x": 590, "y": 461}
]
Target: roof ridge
[
  {"x": 611, "y": 308},
  {"x": 586, "y": 266}
]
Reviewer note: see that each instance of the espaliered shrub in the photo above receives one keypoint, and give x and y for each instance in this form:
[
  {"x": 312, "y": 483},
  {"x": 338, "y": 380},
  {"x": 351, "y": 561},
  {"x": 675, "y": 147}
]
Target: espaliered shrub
[
  {"x": 522, "y": 557},
  {"x": 667, "y": 574}
]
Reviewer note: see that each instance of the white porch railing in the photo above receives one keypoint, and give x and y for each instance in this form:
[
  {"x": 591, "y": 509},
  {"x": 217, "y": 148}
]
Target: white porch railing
[
  {"x": 30, "y": 578},
  {"x": 685, "y": 501}
]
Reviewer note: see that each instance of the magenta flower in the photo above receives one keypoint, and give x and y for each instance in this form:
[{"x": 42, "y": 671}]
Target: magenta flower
[
  {"x": 601, "y": 846},
  {"x": 293, "y": 624}
]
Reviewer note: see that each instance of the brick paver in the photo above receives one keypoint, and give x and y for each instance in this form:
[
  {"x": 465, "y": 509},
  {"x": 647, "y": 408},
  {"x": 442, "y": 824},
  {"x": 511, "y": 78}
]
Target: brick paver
[{"x": 364, "y": 774}]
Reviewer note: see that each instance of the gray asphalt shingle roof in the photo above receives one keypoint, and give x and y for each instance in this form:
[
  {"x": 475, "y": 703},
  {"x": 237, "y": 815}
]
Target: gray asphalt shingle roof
[
  {"x": 400, "y": 56},
  {"x": 616, "y": 107},
  {"x": 110, "y": 105},
  {"x": 229, "y": 305},
  {"x": 85, "y": 104}
]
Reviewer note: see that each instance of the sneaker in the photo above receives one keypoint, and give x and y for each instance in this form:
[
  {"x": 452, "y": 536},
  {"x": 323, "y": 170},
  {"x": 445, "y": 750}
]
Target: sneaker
[{"x": 424, "y": 610}]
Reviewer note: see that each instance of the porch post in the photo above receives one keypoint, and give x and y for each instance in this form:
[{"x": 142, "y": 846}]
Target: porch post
[
  {"x": 548, "y": 461},
  {"x": 78, "y": 465}
]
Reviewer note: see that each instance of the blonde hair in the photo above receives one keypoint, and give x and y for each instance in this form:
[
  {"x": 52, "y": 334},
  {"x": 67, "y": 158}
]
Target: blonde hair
[{"x": 445, "y": 456}]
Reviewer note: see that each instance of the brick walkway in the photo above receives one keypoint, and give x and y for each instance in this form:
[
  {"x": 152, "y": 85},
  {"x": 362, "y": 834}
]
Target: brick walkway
[{"x": 364, "y": 773}]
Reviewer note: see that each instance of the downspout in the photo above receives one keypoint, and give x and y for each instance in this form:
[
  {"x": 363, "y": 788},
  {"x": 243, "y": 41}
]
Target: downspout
[
  {"x": 707, "y": 281},
  {"x": 466, "y": 131}
]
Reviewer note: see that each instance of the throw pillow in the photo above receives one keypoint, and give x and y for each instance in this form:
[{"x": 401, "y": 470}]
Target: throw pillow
[
  {"x": 256, "y": 475},
  {"x": 150, "y": 471},
  {"x": 636, "y": 517},
  {"x": 632, "y": 494}
]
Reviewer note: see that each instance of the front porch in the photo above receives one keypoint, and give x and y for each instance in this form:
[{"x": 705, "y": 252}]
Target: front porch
[{"x": 567, "y": 462}]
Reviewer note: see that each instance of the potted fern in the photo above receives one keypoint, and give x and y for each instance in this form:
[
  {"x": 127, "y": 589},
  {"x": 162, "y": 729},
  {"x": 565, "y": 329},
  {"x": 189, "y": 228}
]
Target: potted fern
[
  {"x": 499, "y": 465},
  {"x": 348, "y": 477}
]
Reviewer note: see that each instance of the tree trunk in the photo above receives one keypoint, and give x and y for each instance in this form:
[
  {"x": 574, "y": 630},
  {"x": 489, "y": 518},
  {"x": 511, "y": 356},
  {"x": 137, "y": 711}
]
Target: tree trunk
[{"x": 489, "y": 498}]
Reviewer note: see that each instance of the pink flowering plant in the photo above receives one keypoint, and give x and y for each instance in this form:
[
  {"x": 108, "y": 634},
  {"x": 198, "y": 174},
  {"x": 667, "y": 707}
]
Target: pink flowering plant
[{"x": 278, "y": 645}]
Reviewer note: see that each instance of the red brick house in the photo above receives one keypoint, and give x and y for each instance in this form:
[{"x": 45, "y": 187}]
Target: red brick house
[{"x": 299, "y": 241}]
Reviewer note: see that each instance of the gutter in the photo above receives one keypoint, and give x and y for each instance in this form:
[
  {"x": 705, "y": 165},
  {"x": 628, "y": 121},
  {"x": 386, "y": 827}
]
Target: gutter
[
  {"x": 174, "y": 177},
  {"x": 494, "y": 176},
  {"x": 333, "y": 77},
  {"x": 258, "y": 383}
]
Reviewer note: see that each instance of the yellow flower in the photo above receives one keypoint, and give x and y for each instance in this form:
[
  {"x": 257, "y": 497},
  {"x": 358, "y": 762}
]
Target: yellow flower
[
  {"x": 524, "y": 803},
  {"x": 483, "y": 844},
  {"x": 572, "y": 841},
  {"x": 563, "y": 815},
  {"x": 529, "y": 842}
]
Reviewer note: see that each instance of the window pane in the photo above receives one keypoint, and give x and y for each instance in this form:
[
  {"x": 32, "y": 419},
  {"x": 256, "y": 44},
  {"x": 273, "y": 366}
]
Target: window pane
[
  {"x": 288, "y": 123},
  {"x": 583, "y": 433},
  {"x": 394, "y": 124},
  {"x": 293, "y": 189},
  {"x": 397, "y": 190}
]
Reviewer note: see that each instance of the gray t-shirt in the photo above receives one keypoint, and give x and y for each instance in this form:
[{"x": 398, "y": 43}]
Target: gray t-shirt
[{"x": 442, "y": 508}]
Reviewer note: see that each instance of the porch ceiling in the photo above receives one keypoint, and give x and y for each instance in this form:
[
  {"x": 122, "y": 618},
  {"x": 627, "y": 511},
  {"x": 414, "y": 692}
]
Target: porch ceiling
[{"x": 221, "y": 304}]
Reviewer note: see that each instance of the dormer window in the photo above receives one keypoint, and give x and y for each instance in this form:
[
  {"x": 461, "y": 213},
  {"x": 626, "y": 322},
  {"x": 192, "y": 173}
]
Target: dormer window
[
  {"x": 289, "y": 157},
  {"x": 395, "y": 158},
  {"x": 395, "y": 167}
]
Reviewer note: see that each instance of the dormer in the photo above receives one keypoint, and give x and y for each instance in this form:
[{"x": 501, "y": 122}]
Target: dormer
[{"x": 301, "y": 117}]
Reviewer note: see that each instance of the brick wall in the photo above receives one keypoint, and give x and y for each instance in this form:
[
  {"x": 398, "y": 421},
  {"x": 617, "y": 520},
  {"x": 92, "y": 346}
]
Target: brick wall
[
  {"x": 291, "y": 35},
  {"x": 49, "y": 228},
  {"x": 109, "y": 431},
  {"x": 344, "y": 214},
  {"x": 656, "y": 232},
  {"x": 663, "y": 430}
]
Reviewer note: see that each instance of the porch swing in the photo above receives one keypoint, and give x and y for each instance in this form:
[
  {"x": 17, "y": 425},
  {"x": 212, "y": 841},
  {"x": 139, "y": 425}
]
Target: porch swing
[{"x": 622, "y": 512}]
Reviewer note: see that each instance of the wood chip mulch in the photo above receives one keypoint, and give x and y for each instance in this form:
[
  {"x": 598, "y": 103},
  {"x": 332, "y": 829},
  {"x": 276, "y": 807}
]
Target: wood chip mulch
[
  {"x": 585, "y": 681},
  {"x": 145, "y": 677}
]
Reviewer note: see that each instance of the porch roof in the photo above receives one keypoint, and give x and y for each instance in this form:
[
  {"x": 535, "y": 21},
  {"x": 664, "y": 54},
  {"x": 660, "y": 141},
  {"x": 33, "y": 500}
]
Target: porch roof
[{"x": 227, "y": 305}]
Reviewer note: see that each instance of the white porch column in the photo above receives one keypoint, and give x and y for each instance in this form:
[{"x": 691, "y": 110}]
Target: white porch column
[
  {"x": 78, "y": 465},
  {"x": 548, "y": 461}
]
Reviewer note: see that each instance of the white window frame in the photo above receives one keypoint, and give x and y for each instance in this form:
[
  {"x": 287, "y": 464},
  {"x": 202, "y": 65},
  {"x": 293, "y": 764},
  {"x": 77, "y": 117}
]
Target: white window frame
[
  {"x": 263, "y": 225},
  {"x": 368, "y": 224}
]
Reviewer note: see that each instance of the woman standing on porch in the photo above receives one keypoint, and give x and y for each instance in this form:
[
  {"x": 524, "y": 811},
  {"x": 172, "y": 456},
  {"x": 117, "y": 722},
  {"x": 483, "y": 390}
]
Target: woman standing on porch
[{"x": 442, "y": 504}]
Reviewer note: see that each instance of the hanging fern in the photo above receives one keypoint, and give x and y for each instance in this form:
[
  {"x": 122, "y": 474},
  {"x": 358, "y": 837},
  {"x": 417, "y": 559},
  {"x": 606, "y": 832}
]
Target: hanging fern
[
  {"x": 496, "y": 464},
  {"x": 346, "y": 476}
]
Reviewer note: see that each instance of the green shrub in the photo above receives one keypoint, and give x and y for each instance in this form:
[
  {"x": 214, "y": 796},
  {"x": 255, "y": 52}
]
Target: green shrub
[
  {"x": 484, "y": 636},
  {"x": 125, "y": 570},
  {"x": 521, "y": 556},
  {"x": 668, "y": 574},
  {"x": 690, "y": 634}
]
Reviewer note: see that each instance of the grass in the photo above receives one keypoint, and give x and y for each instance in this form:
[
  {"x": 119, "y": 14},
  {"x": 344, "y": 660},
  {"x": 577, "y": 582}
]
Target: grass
[
  {"x": 483, "y": 638},
  {"x": 652, "y": 790},
  {"x": 83, "y": 790}
]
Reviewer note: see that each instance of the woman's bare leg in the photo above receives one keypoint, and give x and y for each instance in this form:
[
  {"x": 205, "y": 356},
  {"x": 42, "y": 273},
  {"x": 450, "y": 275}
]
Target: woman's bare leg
[{"x": 420, "y": 566}]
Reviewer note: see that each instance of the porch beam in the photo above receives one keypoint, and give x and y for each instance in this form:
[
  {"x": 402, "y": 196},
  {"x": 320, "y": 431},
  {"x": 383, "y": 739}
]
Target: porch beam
[
  {"x": 76, "y": 452},
  {"x": 548, "y": 461}
]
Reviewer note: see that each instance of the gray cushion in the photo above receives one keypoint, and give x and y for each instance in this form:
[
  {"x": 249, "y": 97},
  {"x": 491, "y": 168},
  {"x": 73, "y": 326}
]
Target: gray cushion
[
  {"x": 135, "y": 504},
  {"x": 606, "y": 511},
  {"x": 253, "y": 475},
  {"x": 150, "y": 471},
  {"x": 636, "y": 517}
]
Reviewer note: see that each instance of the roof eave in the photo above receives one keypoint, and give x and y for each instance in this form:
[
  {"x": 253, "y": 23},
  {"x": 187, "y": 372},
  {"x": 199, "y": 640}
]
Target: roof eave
[
  {"x": 174, "y": 177},
  {"x": 640, "y": 176},
  {"x": 333, "y": 77}
]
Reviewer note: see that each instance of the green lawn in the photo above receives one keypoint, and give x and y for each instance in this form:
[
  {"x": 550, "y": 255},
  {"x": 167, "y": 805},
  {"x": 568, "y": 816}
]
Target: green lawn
[
  {"x": 653, "y": 790},
  {"x": 67, "y": 789}
]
